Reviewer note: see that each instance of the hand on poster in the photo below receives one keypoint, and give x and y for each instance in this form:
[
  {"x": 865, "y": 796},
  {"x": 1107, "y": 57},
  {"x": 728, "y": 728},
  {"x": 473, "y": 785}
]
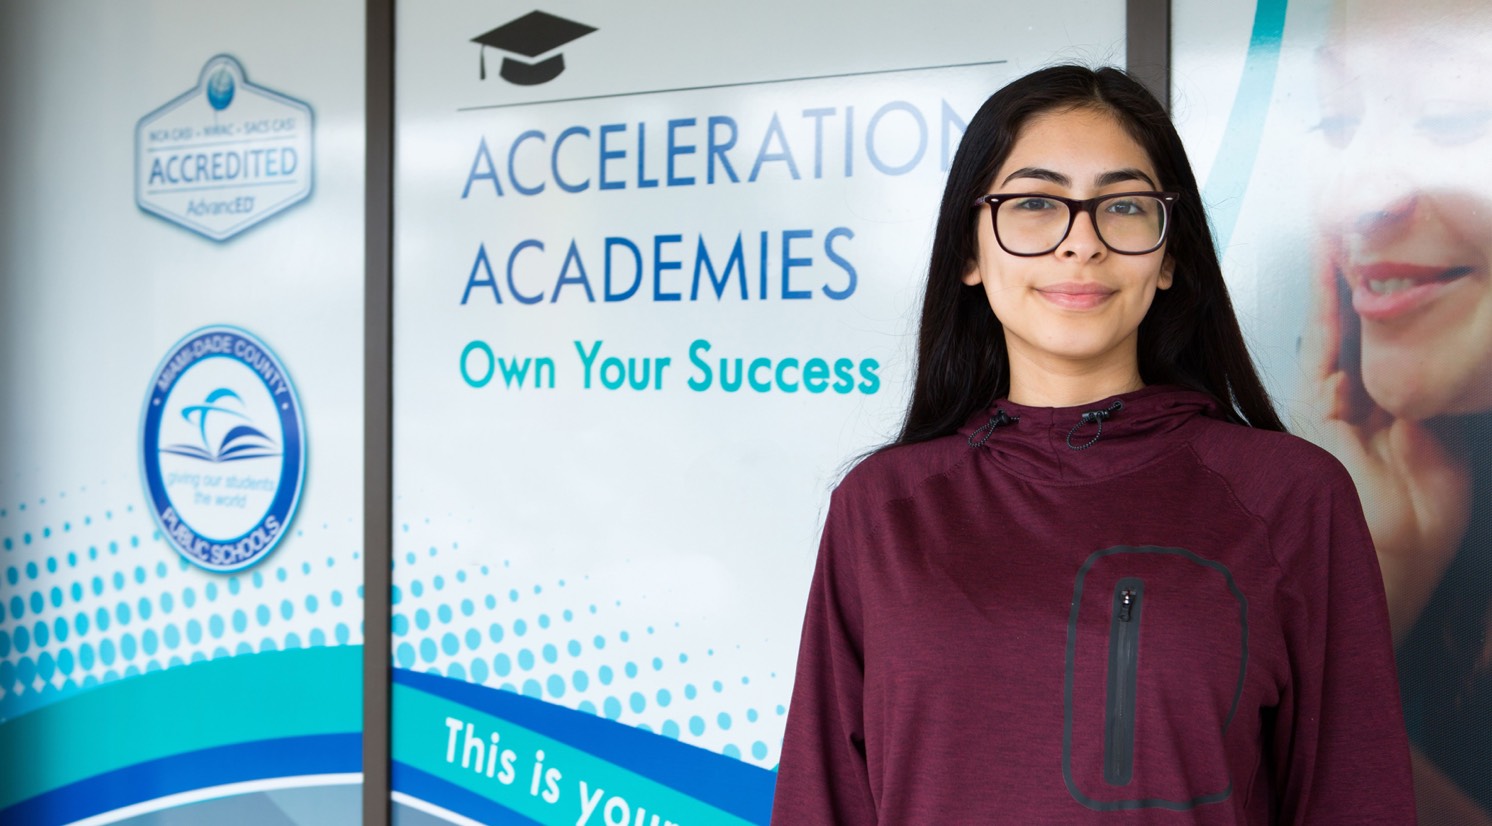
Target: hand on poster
[{"x": 1416, "y": 492}]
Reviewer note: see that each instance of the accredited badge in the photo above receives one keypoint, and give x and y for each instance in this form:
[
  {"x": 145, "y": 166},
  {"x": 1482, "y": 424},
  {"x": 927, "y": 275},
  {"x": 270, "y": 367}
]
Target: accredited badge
[
  {"x": 223, "y": 450},
  {"x": 225, "y": 155}
]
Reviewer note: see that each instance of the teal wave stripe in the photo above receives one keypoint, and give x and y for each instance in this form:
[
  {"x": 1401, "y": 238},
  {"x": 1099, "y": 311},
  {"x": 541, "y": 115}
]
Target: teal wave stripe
[
  {"x": 421, "y": 739},
  {"x": 216, "y": 703},
  {"x": 1227, "y": 184}
]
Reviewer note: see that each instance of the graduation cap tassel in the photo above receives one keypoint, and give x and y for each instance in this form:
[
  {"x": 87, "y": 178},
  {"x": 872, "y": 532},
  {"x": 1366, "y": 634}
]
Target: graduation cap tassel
[{"x": 482, "y": 64}]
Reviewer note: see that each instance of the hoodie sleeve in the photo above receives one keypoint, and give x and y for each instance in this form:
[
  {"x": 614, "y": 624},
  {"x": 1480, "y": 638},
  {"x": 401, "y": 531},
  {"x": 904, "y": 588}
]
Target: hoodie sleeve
[
  {"x": 1340, "y": 748},
  {"x": 823, "y": 777}
]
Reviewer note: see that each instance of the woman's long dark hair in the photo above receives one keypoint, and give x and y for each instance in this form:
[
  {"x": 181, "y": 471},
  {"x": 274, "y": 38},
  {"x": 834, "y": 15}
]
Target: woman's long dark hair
[{"x": 1189, "y": 337}]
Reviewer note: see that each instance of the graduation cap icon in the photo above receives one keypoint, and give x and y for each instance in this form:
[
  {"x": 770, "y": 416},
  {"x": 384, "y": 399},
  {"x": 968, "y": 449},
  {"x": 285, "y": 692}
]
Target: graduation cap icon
[{"x": 531, "y": 35}]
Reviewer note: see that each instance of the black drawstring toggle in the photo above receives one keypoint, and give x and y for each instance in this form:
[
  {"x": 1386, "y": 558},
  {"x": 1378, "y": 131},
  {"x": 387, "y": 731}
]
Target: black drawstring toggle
[
  {"x": 980, "y": 436},
  {"x": 1097, "y": 417}
]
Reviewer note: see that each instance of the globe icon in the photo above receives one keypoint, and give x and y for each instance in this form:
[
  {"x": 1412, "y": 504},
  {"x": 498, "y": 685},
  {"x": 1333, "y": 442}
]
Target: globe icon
[{"x": 220, "y": 89}]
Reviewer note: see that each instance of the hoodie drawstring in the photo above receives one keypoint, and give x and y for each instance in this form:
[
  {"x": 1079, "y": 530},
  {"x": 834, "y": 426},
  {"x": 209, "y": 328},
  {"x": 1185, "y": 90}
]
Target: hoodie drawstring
[
  {"x": 1093, "y": 417},
  {"x": 980, "y": 436}
]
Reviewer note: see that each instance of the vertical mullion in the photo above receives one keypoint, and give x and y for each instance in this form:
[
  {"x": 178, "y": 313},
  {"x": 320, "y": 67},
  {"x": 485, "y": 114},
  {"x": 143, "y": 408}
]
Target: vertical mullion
[
  {"x": 1147, "y": 46},
  {"x": 377, "y": 404}
]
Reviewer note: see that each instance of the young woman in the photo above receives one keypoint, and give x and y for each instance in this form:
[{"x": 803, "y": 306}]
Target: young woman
[
  {"x": 1091, "y": 582},
  {"x": 1401, "y": 347}
]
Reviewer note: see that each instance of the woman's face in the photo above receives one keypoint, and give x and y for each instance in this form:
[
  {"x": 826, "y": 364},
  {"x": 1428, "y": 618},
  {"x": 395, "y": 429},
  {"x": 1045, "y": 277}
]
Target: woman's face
[
  {"x": 1407, "y": 108},
  {"x": 1078, "y": 307}
]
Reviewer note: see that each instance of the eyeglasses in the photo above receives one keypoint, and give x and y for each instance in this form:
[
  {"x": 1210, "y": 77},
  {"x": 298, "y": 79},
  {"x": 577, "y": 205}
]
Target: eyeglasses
[{"x": 1031, "y": 224}]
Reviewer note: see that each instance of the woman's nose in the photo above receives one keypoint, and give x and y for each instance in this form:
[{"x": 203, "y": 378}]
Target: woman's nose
[
  {"x": 1374, "y": 199},
  {"x": 1386, "y": 218},
  {"x": 1082, "y": 241}
]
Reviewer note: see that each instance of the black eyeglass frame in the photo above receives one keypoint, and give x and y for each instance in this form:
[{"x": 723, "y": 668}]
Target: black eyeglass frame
[{"x": 1074, "y": 206}]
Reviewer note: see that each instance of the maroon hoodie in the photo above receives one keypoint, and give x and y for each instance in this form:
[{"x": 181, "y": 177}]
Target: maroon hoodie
[{"x": 1153, "y": 617}]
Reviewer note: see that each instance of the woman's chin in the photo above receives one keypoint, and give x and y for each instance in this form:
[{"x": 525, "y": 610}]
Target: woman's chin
[{"x": 1420, "y": 389}]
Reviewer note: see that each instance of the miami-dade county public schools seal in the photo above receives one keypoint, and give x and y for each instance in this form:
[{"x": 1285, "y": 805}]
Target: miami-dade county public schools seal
[{"x": 223, "y": 449}]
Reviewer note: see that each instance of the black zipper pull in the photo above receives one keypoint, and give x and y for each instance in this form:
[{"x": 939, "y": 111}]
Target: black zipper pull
[{"x": 1126, "y": 604}]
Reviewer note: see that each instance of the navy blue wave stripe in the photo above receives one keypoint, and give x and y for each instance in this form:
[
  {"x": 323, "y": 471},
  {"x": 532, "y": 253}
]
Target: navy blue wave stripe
[
  {"x": 727, "y": 784},
  {"x": 452, "y": 798},
  {"x": 283, "y": 757}
]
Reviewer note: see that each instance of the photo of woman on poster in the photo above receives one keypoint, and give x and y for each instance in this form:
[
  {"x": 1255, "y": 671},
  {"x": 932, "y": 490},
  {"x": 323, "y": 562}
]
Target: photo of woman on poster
[{"x": 1400, "y": 352}]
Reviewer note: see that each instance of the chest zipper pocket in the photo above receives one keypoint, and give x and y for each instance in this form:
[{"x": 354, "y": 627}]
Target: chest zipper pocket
[{"x": 1119, "y": 704}]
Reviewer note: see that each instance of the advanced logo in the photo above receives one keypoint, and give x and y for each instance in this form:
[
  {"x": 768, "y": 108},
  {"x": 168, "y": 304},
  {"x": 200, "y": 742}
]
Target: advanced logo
[
  {"x": 223, "y": 450},
  {"x": 531, "y": 35},
  {"x": 225, "y": 155}
]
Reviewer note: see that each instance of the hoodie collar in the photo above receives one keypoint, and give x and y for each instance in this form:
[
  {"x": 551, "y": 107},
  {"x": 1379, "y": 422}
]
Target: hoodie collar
[{"x": 1091, "y": 441}]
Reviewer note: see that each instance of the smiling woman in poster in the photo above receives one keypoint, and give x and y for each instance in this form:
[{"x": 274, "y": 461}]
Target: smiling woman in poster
[
  {"x": 1091, "y": 581},
  {"x": 1401, "y": 350}
]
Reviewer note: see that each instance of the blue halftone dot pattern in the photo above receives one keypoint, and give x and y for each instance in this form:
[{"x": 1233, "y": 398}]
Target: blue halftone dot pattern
[
  {"x": 100, "y": 599},
  {"x": 570, "y": 646}
]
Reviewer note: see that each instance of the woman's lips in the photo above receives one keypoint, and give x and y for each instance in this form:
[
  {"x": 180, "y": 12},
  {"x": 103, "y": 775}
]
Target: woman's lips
[
  {"x": 1076, "y": 296},
  {"x": 1384, "y": 291}
]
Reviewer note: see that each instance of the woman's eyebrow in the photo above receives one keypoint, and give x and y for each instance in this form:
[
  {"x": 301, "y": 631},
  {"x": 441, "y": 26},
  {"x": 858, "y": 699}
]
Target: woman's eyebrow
[
  {"x": 1106, "y": 179},
  {"x": 1040, "y": 174},
  {"x": 1120, "y": 175}
]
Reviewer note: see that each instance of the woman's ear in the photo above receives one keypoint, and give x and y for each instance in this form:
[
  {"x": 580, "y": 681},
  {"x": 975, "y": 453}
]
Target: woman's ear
[
  {"x": 1167, "y": 272},
  {"x": 971, "y": 275}
]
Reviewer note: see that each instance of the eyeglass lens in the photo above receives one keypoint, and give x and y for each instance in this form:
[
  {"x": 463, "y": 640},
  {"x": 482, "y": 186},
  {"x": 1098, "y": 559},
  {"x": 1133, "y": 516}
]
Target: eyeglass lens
[{"x": 1128, "y": 223}]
